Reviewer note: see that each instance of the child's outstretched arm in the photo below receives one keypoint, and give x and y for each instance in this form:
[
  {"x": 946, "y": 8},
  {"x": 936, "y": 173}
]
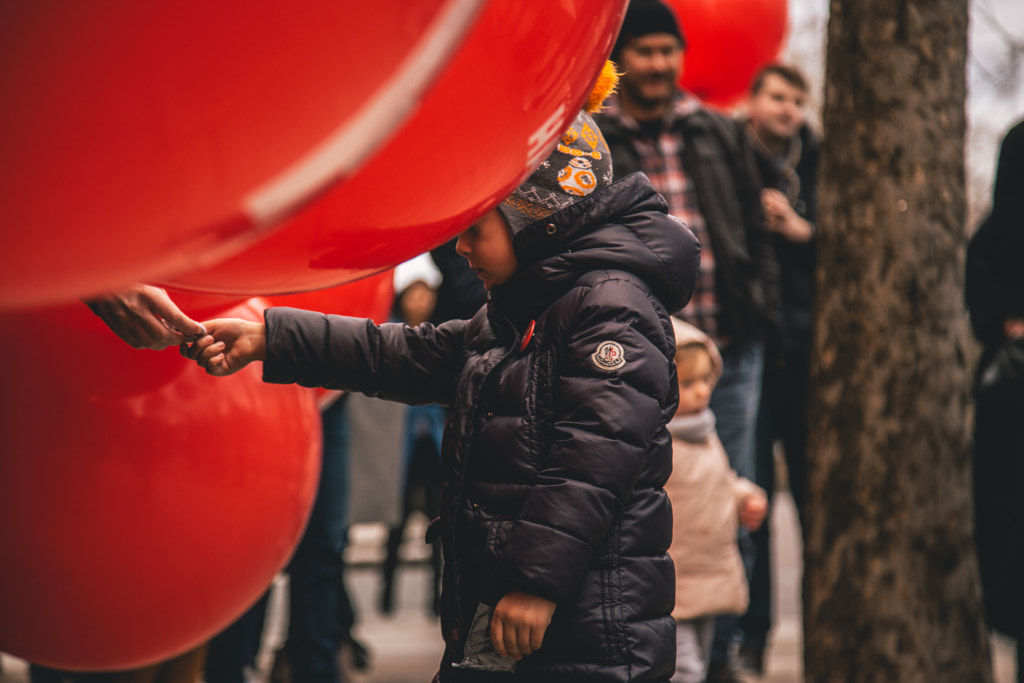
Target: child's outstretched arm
[
  {"x": 231, "y": 344},
  {"x": 519, "y": 623}
]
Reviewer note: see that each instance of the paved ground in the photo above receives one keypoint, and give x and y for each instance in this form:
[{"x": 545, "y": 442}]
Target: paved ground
[{"x": 405, "y": 647}]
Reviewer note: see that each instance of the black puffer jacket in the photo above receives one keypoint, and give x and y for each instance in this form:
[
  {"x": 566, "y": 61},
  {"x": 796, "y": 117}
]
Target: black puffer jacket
[{"x": 556, "y": 451}]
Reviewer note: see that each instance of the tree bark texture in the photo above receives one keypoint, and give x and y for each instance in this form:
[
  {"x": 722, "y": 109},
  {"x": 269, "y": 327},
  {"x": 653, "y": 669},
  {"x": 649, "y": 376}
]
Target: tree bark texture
[{"x": 891, "y": 589}]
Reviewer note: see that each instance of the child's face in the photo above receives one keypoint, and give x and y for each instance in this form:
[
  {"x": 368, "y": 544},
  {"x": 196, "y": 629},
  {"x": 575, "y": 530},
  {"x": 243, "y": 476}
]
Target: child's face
[
  {"x": 487, "y": 245},
  {"x": 696, "y": 380}
]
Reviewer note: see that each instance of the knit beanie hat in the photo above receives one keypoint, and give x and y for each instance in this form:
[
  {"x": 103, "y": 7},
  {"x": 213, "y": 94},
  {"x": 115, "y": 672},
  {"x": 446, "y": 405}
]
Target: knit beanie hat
[
  {"x": 644, "y": 17},
  {"x": 579, "y": 165}
]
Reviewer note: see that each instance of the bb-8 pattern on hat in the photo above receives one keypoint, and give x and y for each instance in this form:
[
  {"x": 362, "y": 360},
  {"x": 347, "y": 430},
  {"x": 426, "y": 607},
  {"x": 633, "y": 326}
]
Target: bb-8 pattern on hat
[
  {"x": 579, "y": 165},
  {"x": 578, "y": 177}
]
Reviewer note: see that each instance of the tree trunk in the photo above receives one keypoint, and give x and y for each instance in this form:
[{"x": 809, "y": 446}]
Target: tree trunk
[{"x": 891, "y": 588}]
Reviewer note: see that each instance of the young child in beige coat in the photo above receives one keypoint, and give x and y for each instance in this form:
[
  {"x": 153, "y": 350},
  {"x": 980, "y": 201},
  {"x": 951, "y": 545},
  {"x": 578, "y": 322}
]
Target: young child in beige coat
[{"x": 708, "y": 501}]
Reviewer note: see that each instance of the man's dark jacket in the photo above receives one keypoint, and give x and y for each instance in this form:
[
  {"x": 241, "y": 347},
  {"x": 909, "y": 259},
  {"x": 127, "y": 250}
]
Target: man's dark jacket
[
  {"x": 718, "y": 158},
  {"x": 796, "y": 259},
  {"x": 556, "y": 451}
]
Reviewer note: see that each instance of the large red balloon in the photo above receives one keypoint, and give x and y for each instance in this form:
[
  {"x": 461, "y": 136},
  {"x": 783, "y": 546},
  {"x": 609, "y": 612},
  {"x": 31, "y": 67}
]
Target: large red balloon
[
  {"x": 138, "y": 137},
  {"x": 511, "y": 89},
  {"x": 727, "y": 42},
  {"x": 143, "y": 504},
  {"x": 371, "y": 297}
]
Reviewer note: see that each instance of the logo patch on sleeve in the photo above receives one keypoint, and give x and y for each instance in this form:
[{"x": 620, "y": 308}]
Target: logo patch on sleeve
[{"x": 609, "y": 356}]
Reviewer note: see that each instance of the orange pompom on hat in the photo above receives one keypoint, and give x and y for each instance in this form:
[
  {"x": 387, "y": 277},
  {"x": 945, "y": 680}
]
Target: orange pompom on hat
[{"x": 579, "y": 165}]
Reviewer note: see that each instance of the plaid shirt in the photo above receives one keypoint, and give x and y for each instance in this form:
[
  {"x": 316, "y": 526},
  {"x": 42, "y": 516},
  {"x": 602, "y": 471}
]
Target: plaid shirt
[{"x": 661, "y": 158}]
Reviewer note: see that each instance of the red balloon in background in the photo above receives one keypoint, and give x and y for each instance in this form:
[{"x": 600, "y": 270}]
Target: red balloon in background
[
  {"x": 143, "y": 504},
  {"x": 201, "y": 307},
  {"x": 727, "y": 42},
  {"x": 372, "y": 297},
  {"x": 140, "y": 138},
  {"x": 512, "y": 88}
]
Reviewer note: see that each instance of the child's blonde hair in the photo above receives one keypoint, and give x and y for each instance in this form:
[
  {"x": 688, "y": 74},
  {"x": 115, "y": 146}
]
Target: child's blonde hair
[
  {"x": 688, "y": 351},
  {"x": 688, "y": 338}
]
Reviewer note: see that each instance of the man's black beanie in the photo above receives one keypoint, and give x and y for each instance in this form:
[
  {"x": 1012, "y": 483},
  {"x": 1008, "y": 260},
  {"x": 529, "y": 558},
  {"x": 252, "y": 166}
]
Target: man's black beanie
[{"x": 644, "y": 17}]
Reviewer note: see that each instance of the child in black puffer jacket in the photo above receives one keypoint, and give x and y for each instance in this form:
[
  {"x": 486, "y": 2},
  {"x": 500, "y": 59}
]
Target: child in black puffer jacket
[{"x": 554, "y": 523}]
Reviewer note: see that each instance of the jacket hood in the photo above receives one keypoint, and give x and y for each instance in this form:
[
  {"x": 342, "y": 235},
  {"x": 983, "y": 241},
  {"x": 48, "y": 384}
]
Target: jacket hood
[
  {"x": 622, "y": 227},
  {"x": 690, "y": 334}
]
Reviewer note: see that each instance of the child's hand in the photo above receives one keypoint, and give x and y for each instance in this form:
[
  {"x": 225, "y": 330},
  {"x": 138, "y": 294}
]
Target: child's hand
[
  {"x": 753, "y": 511},
  {"x": 519, "y": 623},
  {"x": 230, "y": 345}
]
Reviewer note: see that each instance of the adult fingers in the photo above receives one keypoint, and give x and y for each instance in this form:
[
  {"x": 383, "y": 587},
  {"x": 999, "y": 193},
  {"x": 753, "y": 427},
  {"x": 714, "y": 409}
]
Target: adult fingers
[
  {"x": 183, "y": 325},
  {"x": 162, "y": 305}
]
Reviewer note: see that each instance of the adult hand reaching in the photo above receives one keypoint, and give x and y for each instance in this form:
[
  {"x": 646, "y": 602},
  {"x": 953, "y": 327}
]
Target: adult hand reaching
[
  {"x": 145, "y": 317},
  {"x": 231, "y": 344}
]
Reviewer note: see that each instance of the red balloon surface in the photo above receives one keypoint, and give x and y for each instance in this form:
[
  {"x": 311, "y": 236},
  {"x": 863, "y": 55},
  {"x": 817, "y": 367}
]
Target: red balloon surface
[
  {"x": 508, "y": 93},
  {"x": 371, "y": 297},
  {"x": 727, "y": 42},
  {"x": 201, "y": 307},
  {"x": 143, "y": 504},
  {"x": 140, "y": 138}
]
